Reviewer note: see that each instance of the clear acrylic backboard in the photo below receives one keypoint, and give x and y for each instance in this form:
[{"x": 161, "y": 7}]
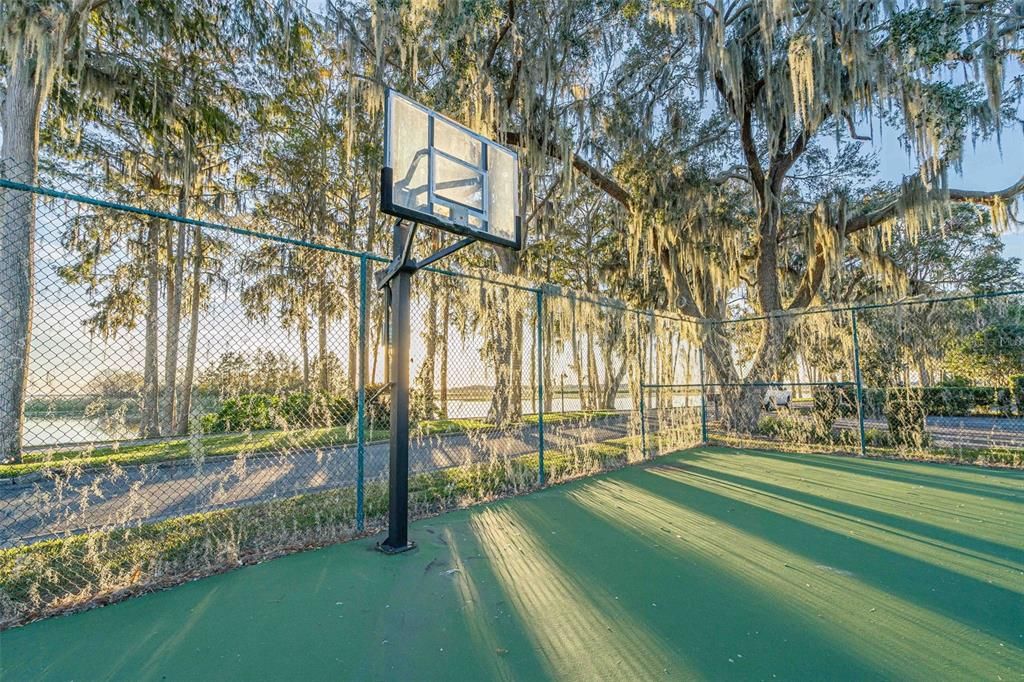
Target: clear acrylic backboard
[{"x": 437, "y": 172}]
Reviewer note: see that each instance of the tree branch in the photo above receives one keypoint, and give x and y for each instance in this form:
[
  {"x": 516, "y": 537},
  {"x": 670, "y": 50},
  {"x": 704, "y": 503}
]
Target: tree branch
[
  {"x": 810, "y": 283},
  {"x": 734, "y": 173},
  {"x": 853, "y": 130},
  {"x": 970, "y": 196},
  {"x": 784, "y": 161},
  {"x": 750, "y": 154},
  {"x": 603, "y": 182},
  {"x": 509, "y": 19}
]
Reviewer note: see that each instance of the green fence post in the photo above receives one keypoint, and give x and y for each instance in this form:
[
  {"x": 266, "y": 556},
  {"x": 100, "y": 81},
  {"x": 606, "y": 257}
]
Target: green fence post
[
  {"x": 361, "y": 399},
  {"x": 860, "y": 386},
  {"x": 703, "y": 402},
  {"x": 641, "y": 352},
  {"x": 540, "y": 388}
]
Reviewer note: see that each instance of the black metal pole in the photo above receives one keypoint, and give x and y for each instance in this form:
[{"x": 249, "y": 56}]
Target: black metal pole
[{"x": 398, "y": 474}]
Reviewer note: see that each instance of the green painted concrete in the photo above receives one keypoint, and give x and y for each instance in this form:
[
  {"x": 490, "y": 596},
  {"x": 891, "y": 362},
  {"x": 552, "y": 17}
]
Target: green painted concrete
[{"x": 711, "y": 563}]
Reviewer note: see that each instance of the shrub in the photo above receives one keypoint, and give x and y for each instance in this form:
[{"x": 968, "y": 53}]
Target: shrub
[
  {"x": 877, "y": 438},
  {"x": 1017, "y": 390},
  {"x": 905, "y": 415},
  {"x": 247, "y": 412},
  {"x": 874, "y": 401},
  {"x": 314, "y": 410},
  {"x": 786, "y": 428},
  {"x": 341, "y": 410},
  {"x": 772, "y": 426},
  {"x": 830, "y": 403},
  {"x": 296, "y": 409},
  {"x": 948, "y": 400},
  {"x": 259, "y": 411},
  {"x": 208, "y": 423},
  {"x": 1003, "y": 401}
]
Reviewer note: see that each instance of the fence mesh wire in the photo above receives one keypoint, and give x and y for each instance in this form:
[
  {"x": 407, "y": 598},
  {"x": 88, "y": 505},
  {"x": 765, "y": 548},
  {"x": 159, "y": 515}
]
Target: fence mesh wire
[
  {"x": 200, "y": 395},
  {"x": 938, "y": 379}
]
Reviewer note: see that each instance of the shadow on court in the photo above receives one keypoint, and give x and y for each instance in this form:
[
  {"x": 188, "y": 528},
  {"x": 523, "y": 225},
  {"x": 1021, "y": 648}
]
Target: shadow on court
[{"x": 712, "y": 563}]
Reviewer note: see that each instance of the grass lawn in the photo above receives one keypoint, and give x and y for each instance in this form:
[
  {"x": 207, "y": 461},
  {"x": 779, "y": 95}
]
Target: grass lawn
[
  {"x": 710, "y": 563},
  {"x": 59, "y": 574},
  {"x": 231, "y": 444}
]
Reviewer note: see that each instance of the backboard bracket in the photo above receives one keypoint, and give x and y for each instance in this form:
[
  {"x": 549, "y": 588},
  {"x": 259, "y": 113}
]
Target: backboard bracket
[{"x": 404, "y": 262}]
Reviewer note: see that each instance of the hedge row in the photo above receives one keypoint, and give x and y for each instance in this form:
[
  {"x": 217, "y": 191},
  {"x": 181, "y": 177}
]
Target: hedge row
[
  {"x": 1017, "y": 390},
  {"x": 904, "y": 411},
  {"x": 940, "y": 401},
  {"x": 260, "y": 411}
]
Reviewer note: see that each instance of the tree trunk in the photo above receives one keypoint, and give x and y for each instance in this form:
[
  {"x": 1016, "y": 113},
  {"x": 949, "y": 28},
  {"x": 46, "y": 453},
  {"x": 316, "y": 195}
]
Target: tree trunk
[
  {"x": 506, "y": 347},
  {"x": 376, "y": 324},
  {"x": 446, "y": 310},
  {"x": 534, "y": 408},
  {"x": 613, "y": 378},
  {"x": 371, "y": 222},
  {"x": 547, "y": 347},
  {"x": 426, "y": 374},
  {"x": 353, "y": 324},
  {"x": 741, "y": 401},
  {"x": 593, "y": 381},
  {"x": 304, "y": 348},
  {"x": 376, "y": 331},
  {"x": 150, "y": 424},
  {"x": 22, "y": 106},
  {"x": 499, "y": 347},
  {"x": 323, "y": 375},
  {"x": 174, "y": 291},
  {"x": 185, "y": 403},
  {"x": 577, "y": 361},
  {"x": 663, "y": 374},
  {"x": 516, "y": 352},
  {"x": 924, "y": 376},
  {"x": 166, "y": 415}
]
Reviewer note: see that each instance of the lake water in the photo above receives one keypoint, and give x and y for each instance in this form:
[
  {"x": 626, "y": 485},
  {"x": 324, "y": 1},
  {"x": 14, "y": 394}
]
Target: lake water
[
  {"x": 60, "y": 430},
  {"x": 478, "y": 408},
  {"x": 43, "y": 431},
  {"x": 465, "y": 409}
]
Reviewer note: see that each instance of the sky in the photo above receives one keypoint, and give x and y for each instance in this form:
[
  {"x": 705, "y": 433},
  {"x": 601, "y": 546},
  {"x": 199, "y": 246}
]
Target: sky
[{"x": 986, "y": 167}]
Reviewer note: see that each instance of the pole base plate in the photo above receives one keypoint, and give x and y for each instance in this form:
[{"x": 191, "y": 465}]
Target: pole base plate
[{"x": 385, "y": 548}]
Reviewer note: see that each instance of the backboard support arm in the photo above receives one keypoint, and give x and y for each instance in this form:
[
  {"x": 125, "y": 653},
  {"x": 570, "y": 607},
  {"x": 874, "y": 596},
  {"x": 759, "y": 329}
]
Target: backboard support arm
[
  {"x": 446, "y": 251},
  {"x": 404, "y": 262}
]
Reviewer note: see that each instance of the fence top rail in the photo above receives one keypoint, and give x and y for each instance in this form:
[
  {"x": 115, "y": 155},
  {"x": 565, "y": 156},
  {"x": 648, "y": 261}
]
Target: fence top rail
[
  {"x": 163, "y": 215},
  {"x": 820, "y": 310},
  {"x": 544, "y": 289},
  {"x": 222, "y": 227},
  {"x": 756, "y": 384}
]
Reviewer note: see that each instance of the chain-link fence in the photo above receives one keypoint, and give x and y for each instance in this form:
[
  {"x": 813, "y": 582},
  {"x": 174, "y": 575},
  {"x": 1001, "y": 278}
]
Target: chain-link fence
[
  {"x": 198, "y": 394},
  {"x": 939, "y": 379}
]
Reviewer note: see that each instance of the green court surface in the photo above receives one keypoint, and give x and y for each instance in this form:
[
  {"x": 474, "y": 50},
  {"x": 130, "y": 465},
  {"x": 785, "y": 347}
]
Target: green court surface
[{"x": 710, "y": 563}]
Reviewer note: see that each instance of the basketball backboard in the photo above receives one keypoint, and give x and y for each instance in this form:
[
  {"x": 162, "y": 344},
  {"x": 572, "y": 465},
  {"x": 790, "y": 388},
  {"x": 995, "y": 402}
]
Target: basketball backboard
[{"x": 437, "y": 172}]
